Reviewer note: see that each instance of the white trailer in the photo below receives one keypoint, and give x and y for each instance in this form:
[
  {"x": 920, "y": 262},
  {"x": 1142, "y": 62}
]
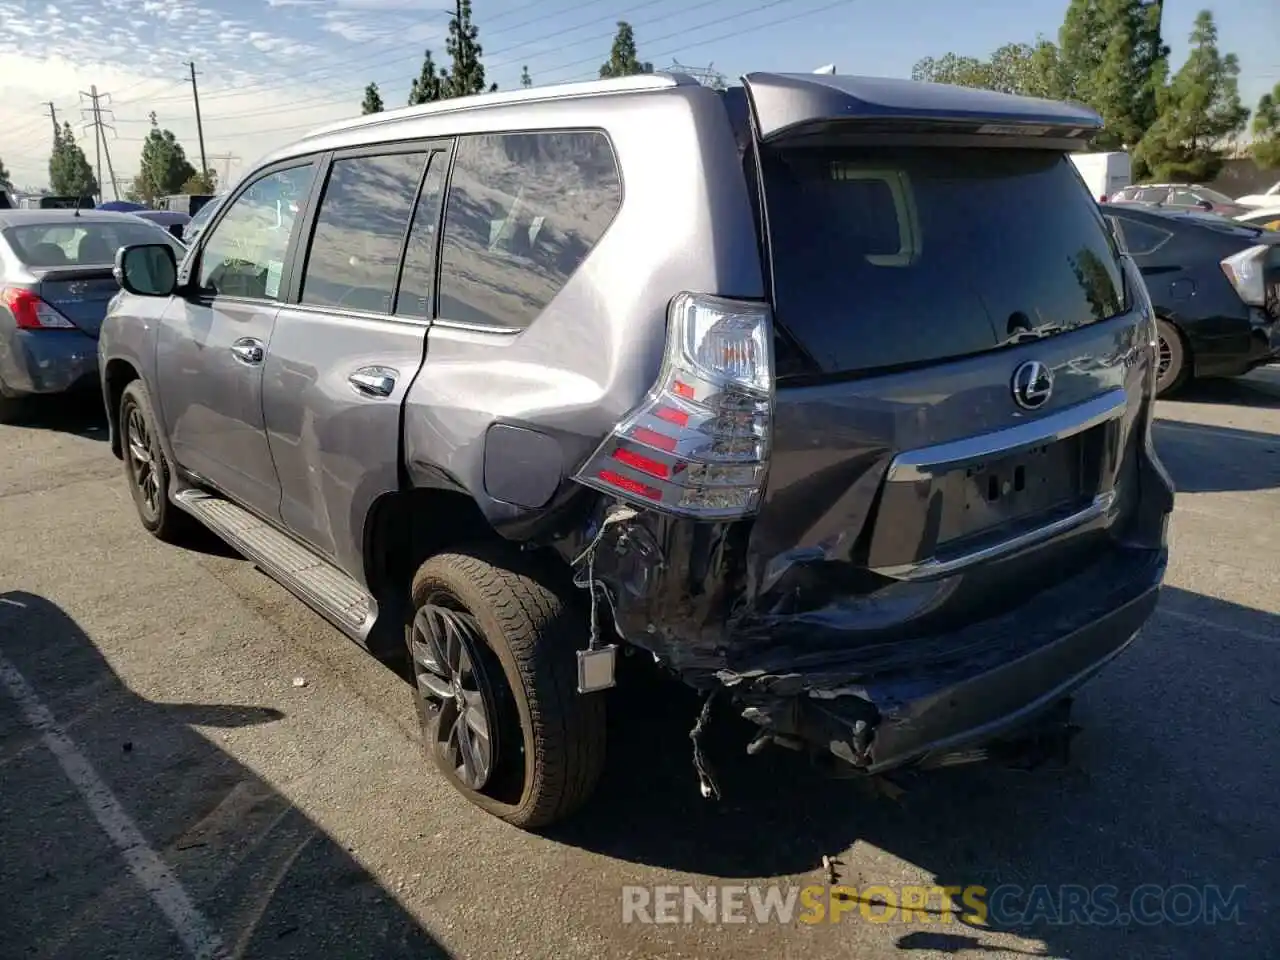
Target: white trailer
[{"x": 1104, "y": 173}]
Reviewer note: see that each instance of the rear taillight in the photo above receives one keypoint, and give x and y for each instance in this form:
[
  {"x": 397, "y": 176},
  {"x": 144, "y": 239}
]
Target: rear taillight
[
  {"x": 1245, "y": 271},
  {"x": 32, "y": 313},
  {"x": 698, "y": 445}
]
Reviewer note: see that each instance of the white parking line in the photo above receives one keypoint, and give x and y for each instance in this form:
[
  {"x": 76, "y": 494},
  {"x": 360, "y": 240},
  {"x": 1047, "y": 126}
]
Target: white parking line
[{"x": 151, "y": 872}]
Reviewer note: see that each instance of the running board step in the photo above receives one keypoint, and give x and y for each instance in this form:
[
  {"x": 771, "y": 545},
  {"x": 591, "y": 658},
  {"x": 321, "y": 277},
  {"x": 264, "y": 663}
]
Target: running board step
[{"x": 319, "y": 583}]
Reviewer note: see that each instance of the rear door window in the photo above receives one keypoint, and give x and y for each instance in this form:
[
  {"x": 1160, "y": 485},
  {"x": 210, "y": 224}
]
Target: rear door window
[
  {"x": 523, "y": 212},
  {"x": 893, "y": 257},
  {"x": 359, "y": 231}
]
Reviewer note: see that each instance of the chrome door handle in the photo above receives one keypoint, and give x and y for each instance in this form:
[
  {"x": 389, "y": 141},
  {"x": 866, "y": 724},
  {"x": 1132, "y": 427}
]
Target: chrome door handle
[
  {"x": 374, "y": 381},
  {"x": 248, "y": 350}
]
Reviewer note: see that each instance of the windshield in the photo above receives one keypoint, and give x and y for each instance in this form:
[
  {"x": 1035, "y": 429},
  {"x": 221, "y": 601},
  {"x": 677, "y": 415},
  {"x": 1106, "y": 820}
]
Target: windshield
[
  {"x": 68, "y": 243},
  {"x": 885, "y": 257}
]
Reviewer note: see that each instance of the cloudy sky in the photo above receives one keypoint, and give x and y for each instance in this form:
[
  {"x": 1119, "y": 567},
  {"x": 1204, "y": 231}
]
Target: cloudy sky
[{"x": 270, "y": 69}]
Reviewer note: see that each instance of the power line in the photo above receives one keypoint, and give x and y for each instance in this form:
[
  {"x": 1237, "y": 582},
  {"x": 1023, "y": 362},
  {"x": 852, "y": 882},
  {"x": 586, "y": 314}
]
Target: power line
[{"x": 291, "y": 106}]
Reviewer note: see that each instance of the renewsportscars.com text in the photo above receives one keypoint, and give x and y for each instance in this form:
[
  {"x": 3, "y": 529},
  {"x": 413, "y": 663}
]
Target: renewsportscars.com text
[{"x": 1003, "y": 906}]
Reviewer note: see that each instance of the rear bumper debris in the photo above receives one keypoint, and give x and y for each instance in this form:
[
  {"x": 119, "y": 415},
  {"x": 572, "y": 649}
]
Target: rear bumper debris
[{"x": 1006, "y": 688}]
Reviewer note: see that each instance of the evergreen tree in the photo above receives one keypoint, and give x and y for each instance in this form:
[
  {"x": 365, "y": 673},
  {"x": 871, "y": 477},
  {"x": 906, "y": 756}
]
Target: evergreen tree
[
  {"x": 1266, "y": 131},
  {"x": 428, "y": 87},
  {"x": 163, "y": 167},
  {"x": 1198, "y": 110},
  {"x": 69, "y": 172},
  {"x": 525, "y": 80},
  {"x": 372, "y": 100},
  {"x": 206, "y": 182},
  {"x": 466, "y": 75},
  {"x": 623, "y": 60},
  {"x": 1013, "y": 68},
  {"x": 6, "y": 181}
]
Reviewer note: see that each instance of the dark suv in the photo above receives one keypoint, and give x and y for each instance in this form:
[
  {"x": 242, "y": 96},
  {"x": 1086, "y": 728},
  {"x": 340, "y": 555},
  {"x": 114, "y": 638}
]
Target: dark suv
[{"x": 834, "y": 394}]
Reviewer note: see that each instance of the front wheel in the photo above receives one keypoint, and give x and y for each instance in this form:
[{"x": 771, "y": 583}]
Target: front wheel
[
  {"x": 146, "y": 470},
  {"x": 493, "y": 651},
  {"x": 1172, "y": 369}
]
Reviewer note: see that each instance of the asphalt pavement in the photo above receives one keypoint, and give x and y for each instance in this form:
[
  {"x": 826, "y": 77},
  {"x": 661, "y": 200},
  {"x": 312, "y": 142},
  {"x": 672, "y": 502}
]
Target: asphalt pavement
[{"x": 194, "y": 764}]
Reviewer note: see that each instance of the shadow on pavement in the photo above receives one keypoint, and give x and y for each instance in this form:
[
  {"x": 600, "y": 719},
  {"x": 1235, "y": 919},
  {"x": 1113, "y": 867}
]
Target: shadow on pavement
[
  {"x": 1172, "y": 782},
  {"x": 1209, "y": 459},
  {"x": 268, "y": 881},
  {"x": 1260, "y": 389},
  {"x": 79, "y": 412}
]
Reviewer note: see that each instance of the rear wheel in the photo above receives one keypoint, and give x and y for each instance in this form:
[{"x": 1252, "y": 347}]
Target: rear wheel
[
  {"x": 493, "y": 650},
  {"x": 146, "y": 469},
  {"x": 1172, "y": 368}
]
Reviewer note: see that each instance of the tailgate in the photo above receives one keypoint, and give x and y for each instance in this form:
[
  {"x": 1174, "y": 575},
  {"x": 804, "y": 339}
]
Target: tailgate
[
  {"x": 970, "y": 425},
  {"x": 80, "y": 295}
]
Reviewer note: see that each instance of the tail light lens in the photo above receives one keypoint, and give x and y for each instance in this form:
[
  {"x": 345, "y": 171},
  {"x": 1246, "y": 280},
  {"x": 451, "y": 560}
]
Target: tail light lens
[
  {"x": 1245, "y": 271},
  {"x": 32, "y": 313},
  {"x": 698, "y": 445}
]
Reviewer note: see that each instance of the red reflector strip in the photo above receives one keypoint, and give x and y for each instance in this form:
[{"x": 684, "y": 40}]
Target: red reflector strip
[
  {"x": 682, "y": 389},
  {"x": 672, "y": 415},
  {"x": 626, "y": 483},
  {"x": 650, "y": 466},
  {"x": 654, "y": 439}
]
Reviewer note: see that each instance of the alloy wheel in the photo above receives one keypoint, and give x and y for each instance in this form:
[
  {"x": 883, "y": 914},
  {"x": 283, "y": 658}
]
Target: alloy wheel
[
  {"x": 1164, "y": 360},
  {"x": 446, "y": 645},
  {"x": 141, "y": 461}
]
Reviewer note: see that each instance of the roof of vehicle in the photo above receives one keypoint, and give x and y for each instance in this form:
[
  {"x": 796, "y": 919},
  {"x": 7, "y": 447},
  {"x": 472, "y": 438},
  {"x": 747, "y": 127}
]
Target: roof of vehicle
[
  {"x": 163, "y": 216},
  {"x": 13, "y": 218},
  {"x": 781, "y": 100},
  {"x": 638, "y": 83}
]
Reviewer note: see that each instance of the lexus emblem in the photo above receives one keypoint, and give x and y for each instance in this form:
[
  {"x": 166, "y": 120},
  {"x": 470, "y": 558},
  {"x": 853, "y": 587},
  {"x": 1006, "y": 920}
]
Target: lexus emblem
[{"x": 1032, "y": 385}]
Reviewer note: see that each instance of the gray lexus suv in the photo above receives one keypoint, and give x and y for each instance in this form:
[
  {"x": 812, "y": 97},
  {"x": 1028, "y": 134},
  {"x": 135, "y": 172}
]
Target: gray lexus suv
[{"x": 833, "y": 394}]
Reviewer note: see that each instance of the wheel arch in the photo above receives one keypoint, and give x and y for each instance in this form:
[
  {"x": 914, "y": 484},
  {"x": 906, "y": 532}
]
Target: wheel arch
[
  {"x": 117, "y": 375},
  {"x": 404, "y": 527}
]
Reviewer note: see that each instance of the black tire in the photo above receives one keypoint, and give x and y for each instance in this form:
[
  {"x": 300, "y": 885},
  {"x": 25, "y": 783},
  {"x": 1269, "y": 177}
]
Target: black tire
[
  {"x": 146, "y": 470},
  {"x": 11, "y": 408},
  {"x": 1173, "y": 369},
  {"x": 546, "y": 741}
]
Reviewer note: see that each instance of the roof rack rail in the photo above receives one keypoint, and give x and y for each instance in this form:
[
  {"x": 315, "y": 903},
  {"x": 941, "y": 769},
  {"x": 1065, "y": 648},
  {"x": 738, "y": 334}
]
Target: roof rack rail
[{"x": 638, "y": 83}]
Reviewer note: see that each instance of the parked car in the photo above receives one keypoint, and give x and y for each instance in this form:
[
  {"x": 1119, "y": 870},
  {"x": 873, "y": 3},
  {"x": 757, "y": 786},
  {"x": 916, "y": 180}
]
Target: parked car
[
  {"x": 172, "y": 220},
  {"x": 1181, "y": 197},
  {"x": 55, "y": 282},
  {"x": 1271, "y": 198},
  {"x": 892, "y": 495},
  {"x": 1215, "y": 284},
  {"x": 198, "y": 221},
  {"x": 1266, "y": 217}
]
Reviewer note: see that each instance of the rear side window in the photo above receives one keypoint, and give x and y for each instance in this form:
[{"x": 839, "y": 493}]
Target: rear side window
[
  {"x": 523, "y": 212},
  {"x": 360, "y": 227},
  {"x": 889, "y": 257}
]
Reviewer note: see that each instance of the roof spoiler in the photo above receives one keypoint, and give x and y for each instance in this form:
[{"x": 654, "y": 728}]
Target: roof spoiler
[{"x": 797, "y": 107}]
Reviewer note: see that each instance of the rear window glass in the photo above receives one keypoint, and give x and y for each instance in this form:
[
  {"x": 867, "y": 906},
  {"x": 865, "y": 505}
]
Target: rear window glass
[
  {"x": 885, "y": 257},
  {"x": 523, "y": 212},
  {"x": 69, "y": 244}
]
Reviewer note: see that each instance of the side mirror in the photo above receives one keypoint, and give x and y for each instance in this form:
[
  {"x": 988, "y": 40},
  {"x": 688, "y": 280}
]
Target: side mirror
[
  {"x": 147, "y": 269},
  {"x": 176, "y": 230},
  {"x": 1204, "y": 204}
]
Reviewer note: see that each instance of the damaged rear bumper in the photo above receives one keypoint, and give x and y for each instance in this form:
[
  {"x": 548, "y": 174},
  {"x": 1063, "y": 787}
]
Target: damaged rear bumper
[{"x": 1012, "y": 676}]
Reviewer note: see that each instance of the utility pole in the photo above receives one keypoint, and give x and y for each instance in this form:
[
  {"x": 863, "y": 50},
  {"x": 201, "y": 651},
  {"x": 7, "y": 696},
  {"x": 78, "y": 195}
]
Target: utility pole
[
  {"x": 195, "y": 95},
  {"x": 53, "y": 115},
  {"x": 100, "y": 138}
]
